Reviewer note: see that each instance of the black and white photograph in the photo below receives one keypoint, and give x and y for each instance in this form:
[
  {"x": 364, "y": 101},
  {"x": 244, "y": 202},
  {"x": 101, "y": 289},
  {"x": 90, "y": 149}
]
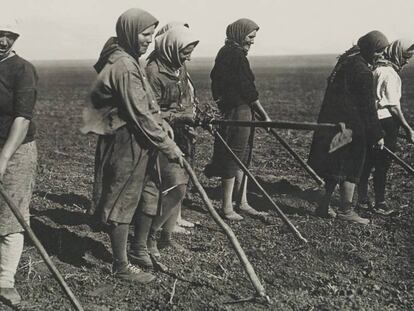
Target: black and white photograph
[{"x": 206, "y": 155}]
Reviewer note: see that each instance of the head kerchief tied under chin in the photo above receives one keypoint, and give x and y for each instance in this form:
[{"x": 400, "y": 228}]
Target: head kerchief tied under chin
[
  {"x": 160, "y": 33},
  {"x": 238, "y": 30},
  {"x": 398, "y": 52},
  {"x": 172, "y": 42},
  {"x": 372, "y": 42},
  {"x": 169, "y": 26},
  {"x": 129, "y": 25}
]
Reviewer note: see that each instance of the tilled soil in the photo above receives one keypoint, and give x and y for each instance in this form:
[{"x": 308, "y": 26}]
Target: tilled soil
[{"x": 343, "y": 266}]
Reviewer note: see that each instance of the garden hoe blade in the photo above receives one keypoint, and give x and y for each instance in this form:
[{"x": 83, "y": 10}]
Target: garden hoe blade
[{"x": 341, "y": 139}]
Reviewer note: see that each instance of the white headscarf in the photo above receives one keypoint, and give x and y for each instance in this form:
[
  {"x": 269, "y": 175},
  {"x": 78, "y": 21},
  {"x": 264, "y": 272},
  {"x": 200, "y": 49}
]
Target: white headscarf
[{"x": 169, "y": 44}]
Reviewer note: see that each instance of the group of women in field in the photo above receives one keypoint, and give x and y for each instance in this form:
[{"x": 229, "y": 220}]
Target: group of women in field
[
  {"x": 146, "y": 131},
  {"x": 139, "y": 173}
]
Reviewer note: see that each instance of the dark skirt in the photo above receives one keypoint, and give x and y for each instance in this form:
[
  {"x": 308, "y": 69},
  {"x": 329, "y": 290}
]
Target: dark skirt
[
  {"x": 122, "y": 167},
  {"x": 344, "y": 164},
  {"x": 238, "y": 139},
  {"x": 380, "y": 159},
  {"x": 172, "y": 174}
]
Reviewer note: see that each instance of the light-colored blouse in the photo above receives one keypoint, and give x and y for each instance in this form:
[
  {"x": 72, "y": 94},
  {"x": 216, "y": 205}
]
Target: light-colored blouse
[{"x": 387, "y": 89}]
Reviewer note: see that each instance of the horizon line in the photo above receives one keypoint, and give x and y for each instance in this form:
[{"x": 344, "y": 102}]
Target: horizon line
[{"x": 195, "y": 57}]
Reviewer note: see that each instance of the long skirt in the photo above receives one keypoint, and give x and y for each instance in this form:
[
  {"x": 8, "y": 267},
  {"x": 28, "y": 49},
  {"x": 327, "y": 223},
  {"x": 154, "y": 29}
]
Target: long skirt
[
  {"x": 18, "y": 182},
  {"x": 238, "y": 139},
  {"x": 172, "y": 174},
  {"x": 344, "y": 164},
  {"x": 123, "y": 165}
]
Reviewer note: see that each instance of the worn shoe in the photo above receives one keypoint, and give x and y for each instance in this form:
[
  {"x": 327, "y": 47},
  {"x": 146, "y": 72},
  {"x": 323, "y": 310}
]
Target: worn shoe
[
  {"x": 233, "y": 216},
  {"x": 132, "y": 273},
  {"x": 10, "y": 296},
  {"x": 152, "y": 247},
  {"x": 383, "y": 208},
  {"x": 141, "y": 258},
  {"x": 352, "y": 216},
  {"x": 325, "y": 213},
  {"x": 364, "y": 205}
]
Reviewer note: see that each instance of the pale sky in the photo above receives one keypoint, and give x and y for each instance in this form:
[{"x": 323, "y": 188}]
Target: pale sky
[{"x": 77, "y": 29}]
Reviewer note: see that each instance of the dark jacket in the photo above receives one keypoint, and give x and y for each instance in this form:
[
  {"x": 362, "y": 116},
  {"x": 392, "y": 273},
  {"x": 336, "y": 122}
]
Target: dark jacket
[
  {"x": 349, "y": 98},
  {"x": 174, "y": 93},
  {"x": 232, "y": 81},
  {"x": 18, "y": 84}
]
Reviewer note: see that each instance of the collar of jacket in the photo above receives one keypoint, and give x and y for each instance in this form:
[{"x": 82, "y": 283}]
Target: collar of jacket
[
  {"x": 117, "y": 54},
  {"x": 163, "y": 68}
]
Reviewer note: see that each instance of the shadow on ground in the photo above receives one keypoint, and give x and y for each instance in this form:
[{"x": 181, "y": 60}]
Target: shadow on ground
[{"x": 69, "y": 234}]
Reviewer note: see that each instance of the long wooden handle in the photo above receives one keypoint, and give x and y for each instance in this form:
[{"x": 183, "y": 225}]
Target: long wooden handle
[
  {"x": 227, "y": 230},
  {"x": 250, "y": 175},
  {"x": 276, "y": 124},
  {"x": 55, "y": 272},
  {"x": 400, "y": 161},
  {"x": 302, "y": 163}
]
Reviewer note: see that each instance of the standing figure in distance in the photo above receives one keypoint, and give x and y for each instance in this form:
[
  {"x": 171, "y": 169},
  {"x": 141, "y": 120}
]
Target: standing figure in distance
[
  {"x": 388, "y": 90},
  {"x": 18, "y": 154},
  {"x": 234, "y": 90}
]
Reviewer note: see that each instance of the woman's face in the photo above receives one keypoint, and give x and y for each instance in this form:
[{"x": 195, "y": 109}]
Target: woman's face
[
  {"x": 406, "y": 57},
  {"x": 7, "y": 40},
  {"x": 185, "y": 53},
  {"x": 249, "y": 40},
  {"x": 145, "y": 39},
  {"x": 377, "y": 55}
]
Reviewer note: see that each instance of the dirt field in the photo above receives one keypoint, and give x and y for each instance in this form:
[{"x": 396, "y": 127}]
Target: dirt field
[{"x": 343, "y": 267}]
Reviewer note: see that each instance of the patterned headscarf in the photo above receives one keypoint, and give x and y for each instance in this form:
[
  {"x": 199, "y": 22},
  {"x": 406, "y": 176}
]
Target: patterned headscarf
[
  {"x": 396, "y": 54},
  {"x": 170, "y": 25},
  {"x": 172, "y": 42},
  {"x": 237, "y": 31},
  {"x": 129, "y": 25},
  {"x": 162, "y": 31}
]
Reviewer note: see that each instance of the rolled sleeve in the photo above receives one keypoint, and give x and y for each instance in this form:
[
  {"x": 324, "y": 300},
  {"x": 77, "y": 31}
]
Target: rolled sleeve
[
  {"x": 25, "y": 92},
  {"x": 391, "y": 91}
]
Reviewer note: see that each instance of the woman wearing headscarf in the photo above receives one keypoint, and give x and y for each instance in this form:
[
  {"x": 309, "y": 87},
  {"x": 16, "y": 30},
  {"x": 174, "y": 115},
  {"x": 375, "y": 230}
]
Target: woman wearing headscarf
[
  {"x": 181, "y": 223},
  {"x": 127, "y": 150},
  {"x": 348, "y": 99},
  {"x": 234, "y": 90},
  {"x": 387, "y": 83},
  {"x": 174, "y": 92}
]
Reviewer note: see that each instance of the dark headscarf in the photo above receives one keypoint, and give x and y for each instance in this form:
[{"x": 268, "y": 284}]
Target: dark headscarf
[
  {"x": 372, "y": 42},
  {"x": 238, "y": 30},
  {"x": 367, "y": 46},
  {"x": 129, "y": 25}
]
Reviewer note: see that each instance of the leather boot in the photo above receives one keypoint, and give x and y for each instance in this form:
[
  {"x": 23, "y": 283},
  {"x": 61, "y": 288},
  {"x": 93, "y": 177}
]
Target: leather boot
[
  {"x": 138, "y": 253},
  {"x": 152, "y": 244},
  {"x": 347, "y": 213}
]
